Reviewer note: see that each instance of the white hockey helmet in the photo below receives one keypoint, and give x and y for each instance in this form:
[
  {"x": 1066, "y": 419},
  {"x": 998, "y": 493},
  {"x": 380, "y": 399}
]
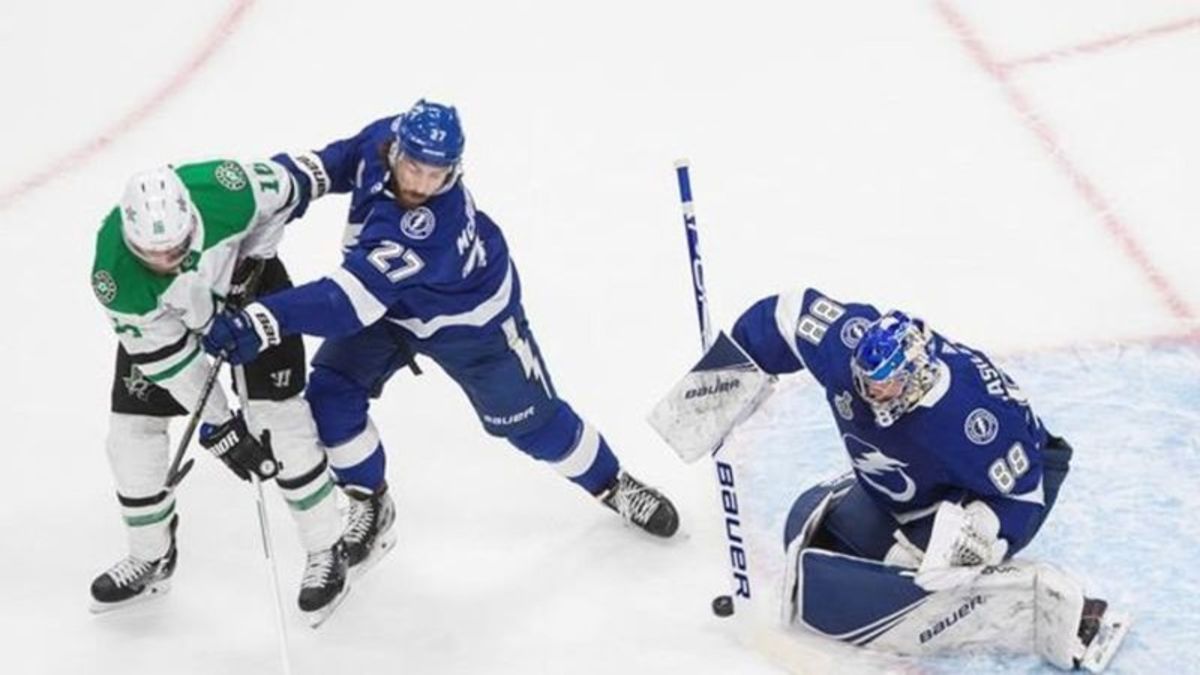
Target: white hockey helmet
[{"x": 158, "y": 218}]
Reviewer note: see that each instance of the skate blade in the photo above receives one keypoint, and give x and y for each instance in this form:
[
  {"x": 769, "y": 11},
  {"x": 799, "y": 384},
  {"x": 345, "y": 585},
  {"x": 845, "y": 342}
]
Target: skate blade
[
  {"x": 152, "y": 591},
  {"x": 1113, "y": 627},
  {"x": 318, "y": 617},
  {"x": 383, "y": 545}
]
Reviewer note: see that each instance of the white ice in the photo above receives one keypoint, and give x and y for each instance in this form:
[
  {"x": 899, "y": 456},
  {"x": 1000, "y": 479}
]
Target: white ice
[{"x": 855, "y": 146}]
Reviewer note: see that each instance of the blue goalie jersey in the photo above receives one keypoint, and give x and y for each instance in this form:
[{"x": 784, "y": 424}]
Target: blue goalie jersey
[
  {"x": 440, "y": 267},
  {"x": 972, "y": 437}
]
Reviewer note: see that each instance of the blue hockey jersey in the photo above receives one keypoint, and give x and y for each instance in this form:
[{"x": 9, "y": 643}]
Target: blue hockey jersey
[
  {"x": 972, "y": 437},
  {"x": 440, "y": 267}
]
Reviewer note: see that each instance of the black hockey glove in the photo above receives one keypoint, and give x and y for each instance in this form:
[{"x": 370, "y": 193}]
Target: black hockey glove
[{"x": 233, "y": 444}]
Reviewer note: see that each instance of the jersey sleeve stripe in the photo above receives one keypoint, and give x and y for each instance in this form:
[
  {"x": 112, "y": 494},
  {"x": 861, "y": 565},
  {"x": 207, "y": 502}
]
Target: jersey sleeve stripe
[
  {"x": 175, "y": 369},
  {"x": 161, "y": 354},
  {"x": 1034, "y": 496},
  {"x": 787, "y": 316},
  {"x": 366, "y": 306},
  {"x": 483, "y": 312}
]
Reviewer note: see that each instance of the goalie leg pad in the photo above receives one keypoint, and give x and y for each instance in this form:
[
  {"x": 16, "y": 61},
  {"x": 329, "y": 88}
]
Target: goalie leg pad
[
  {"x": 803, "y": 523},
  {"x": 867, "y": 603},
  {"x": 137, "y": 447},
  {"x": 303, "y": 475},
  {"x": 1019, "y": 606}
]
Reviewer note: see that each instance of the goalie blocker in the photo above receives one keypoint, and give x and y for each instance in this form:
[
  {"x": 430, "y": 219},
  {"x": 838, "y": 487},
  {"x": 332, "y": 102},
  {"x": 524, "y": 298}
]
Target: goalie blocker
[{"x": 719, "y": 393}]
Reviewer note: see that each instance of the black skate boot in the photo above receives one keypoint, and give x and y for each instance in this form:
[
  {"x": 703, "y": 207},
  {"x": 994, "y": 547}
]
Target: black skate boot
[
  {"x": 324, "y": 584},
  {"x": 1089, "y": 622},
  {"x": 641, "y": 505},
  {"x": 1101, "y": 632},
  {"x": 133, "y": 580},
  {"x": 369, "y": 535}
]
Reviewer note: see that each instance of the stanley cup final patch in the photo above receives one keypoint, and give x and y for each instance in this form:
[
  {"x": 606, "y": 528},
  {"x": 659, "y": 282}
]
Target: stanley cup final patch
[{"x": 418, "y": 223}]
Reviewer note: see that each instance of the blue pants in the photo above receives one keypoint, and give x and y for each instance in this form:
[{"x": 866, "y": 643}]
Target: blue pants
[
  {"x": 499, "y": 368},
  {"x": 857, "y": 526}
]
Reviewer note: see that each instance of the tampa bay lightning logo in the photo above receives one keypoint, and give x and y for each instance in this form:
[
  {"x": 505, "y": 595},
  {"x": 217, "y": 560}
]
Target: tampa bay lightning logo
[
  {"x": 981, "y": 426},
  {"x": 879, "y": 471},
  {"x": 418, "y": 223},
  {"x": 853, "y": 331}
]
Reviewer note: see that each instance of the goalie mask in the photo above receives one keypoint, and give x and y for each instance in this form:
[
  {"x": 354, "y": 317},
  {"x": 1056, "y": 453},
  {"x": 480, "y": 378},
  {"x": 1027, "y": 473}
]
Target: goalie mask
[
  {"x": 894, "y": 366},
  {"x": 158, "y": 219}
]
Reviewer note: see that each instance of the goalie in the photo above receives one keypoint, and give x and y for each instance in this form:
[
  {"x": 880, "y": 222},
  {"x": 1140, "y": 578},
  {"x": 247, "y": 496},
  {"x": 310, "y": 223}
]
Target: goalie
[{"x": 953, "y": 474}]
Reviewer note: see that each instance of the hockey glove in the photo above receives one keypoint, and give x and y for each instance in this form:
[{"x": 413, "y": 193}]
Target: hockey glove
[
  {"x": 233, "y": 444},
  {"x": 241, "y": 335},
  {"x": 963, "y": 542}
]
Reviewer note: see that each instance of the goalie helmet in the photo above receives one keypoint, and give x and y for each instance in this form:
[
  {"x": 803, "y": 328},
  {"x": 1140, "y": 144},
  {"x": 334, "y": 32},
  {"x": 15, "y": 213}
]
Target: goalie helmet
[
  {"x": 430, "y": 133},
  {"x": 894, "y": 365},
  {"x": 158, "y": 218}
]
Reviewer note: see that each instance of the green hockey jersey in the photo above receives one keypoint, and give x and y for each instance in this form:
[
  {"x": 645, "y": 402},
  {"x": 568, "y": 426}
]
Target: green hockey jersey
[{"x": 158, "y": 318}]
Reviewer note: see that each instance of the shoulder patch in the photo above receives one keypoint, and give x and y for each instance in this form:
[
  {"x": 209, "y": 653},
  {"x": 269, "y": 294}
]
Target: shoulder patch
[
  {"x": 221, "y": 191},
  {"x": 122, "y": 283},
  {"x": 230, "y": 176},
  {"x": 104, "y": 286},
  {"x": 418, "y": 223},
  {"x": 844, "y": 404},
  {"x": 981, "y": 426},
  {"x": 853, "y": 330}
]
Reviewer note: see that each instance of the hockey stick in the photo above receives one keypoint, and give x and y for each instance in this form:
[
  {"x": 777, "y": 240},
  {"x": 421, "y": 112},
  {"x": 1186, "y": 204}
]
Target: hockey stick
[
  {"x": 175, "y": 473},
  {"x": 264, "y": 526},
  {"x": 693, "y": 243},
  {"x": 722, "y": 605}
]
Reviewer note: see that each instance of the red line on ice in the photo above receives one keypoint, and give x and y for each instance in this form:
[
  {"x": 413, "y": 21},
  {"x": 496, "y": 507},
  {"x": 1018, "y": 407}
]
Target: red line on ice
[
  {"x": 64, "y": 164},
  {"x": 1087, "y": 189},
  {"x": 1104, "y": 44}
]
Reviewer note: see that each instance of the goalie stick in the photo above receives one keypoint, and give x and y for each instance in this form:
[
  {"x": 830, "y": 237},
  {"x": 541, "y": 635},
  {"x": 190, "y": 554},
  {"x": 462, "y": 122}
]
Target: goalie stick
[{"x": 722, "y": 356}]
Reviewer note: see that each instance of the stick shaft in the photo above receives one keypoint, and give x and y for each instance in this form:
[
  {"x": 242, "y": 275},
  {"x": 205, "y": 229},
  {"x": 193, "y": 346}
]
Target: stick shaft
[
  {"x": 264, "y": 527},
  {"x": 740, "y": 581},
  {"x": 683, "y": 176}
]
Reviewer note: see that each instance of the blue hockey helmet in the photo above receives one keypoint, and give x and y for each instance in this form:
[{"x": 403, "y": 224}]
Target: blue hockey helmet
[
  {"x": 430, "y": 133},
  {"x": 894, "y": 365}
]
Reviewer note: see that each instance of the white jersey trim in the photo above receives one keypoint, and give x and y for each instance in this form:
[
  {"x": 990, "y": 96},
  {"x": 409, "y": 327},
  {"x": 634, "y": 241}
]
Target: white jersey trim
[
  {"x": 366, "y": 306},
  {"x": 1034, "y": 496},
  {"x": 907, "y": 517},
  {"x": 787, "y": 317},
  {"x": 481, "y": 315},
  {"x": 582, "y": 456},
  {"x": 355, "y": 450}
]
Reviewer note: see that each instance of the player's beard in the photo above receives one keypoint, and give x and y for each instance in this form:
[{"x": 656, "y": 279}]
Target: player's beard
[{"x": 410, "y": 199}]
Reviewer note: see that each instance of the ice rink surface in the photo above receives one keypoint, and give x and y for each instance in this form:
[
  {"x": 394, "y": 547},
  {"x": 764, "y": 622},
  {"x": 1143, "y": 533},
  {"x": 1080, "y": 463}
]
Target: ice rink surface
[{"x": 1023, "y": 174}]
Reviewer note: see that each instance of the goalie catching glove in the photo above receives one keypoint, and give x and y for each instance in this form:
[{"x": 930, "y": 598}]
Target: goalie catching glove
[
  {"x": 964, "y": 541},
  {"x": 233, "y": 444}
]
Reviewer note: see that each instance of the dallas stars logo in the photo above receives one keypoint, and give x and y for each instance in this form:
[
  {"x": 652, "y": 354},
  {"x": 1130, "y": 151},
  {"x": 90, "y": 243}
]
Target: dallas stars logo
[
  {"x": 104, "y": 286},
  {"x": 137, "y": 385},
  {"x": 230, "y": 176}
]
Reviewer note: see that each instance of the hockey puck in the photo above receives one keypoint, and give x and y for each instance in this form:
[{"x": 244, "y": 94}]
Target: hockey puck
[{"x": 722, "y": 605}]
